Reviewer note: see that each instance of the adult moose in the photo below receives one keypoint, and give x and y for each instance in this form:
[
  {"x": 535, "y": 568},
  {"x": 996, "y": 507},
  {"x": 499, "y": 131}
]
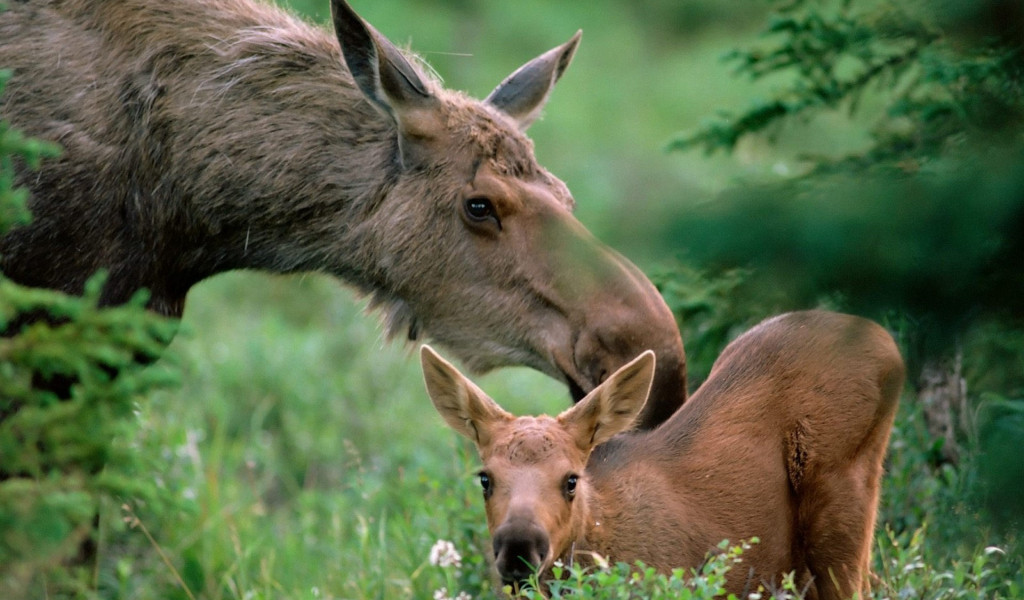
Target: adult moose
[
  {"x": 784, "y": 441},
  {"x": 202, "y": 136}
]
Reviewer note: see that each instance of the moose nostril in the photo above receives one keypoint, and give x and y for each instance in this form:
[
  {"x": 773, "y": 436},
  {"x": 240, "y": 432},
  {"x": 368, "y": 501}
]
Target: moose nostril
[
  {"x": 519, "y": 551},
  {"x": 599, "y": 353},
  {"x": 519, "y": 560}
]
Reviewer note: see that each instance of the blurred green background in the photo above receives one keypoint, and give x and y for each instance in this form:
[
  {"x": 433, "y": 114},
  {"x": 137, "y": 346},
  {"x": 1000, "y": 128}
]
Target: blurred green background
[{"x": 301, "y": 458}]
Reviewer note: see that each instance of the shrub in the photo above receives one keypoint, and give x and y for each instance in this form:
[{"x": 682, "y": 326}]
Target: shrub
[{"x": 70, "y": 372}]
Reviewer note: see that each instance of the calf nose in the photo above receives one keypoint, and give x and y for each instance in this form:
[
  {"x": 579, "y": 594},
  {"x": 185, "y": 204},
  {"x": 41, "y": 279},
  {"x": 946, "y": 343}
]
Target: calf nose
[{"x": 519, "y": 550}]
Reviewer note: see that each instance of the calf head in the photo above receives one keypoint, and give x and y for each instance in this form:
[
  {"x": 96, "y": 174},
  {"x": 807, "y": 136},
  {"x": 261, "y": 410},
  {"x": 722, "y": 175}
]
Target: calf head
[
  {"x": 475, "y": 245},
  {"x": 534, "y": 468}
]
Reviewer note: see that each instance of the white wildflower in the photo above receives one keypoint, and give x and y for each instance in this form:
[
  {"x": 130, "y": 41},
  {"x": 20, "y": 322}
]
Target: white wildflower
[
  {"x": 442, "y": 594},
  {"x": 443, "y": 554}
]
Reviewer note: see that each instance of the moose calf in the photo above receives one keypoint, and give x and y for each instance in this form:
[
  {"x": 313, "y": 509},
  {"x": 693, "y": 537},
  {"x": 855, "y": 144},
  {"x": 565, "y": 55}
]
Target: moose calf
[{"x": 784, "y": 441}]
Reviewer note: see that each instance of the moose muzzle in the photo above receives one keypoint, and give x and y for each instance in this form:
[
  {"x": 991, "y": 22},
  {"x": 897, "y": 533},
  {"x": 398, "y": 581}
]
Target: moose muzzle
[{"x": 520, "y": 549}]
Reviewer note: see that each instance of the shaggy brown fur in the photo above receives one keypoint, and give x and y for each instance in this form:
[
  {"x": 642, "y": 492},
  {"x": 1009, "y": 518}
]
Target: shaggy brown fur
[
  {"x": 784, "y": 441},
  {"x": 201, "y": 136}
]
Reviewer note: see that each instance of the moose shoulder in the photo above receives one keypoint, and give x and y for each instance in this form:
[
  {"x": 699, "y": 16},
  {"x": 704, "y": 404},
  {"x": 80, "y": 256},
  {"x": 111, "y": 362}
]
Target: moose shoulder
[
  {"x": 202, "y": 136},
  {"x": 784, "y": 441}
]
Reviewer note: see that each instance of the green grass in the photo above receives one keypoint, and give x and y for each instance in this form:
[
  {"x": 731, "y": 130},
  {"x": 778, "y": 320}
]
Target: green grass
[{"x": 301, "y": 452}]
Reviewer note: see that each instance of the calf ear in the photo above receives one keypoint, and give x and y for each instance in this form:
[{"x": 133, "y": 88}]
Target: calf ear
[
  {"x": 388, "y": 80},
  {"x": 523, "y": 94},
  {"x": 461, "y": 403},
  {"x": 613, "y": 406}
]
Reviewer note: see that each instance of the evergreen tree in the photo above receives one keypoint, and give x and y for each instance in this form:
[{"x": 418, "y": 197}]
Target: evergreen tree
[{"x": 61, "y": 456}]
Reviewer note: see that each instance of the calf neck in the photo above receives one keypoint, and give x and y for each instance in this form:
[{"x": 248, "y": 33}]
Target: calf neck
[
  {"x": 201, "y": 136},
  {"x": 784, "y": 442}
]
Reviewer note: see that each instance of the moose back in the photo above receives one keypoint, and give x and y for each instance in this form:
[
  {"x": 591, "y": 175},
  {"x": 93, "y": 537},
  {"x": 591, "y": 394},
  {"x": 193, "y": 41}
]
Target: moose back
[{"x": 201, "y": 136}]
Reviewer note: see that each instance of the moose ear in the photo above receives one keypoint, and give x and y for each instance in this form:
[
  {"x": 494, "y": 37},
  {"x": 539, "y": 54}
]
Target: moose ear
[
  {"x": 388, "y": 80},
  {"x": 461, "y": 403},
  {"x": 613, "y": 406},
  {"x": 522, "y": 95}
]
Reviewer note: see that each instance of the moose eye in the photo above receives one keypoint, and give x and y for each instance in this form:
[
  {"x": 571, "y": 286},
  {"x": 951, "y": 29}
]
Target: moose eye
[
  {"x": 570, "y": 485},
  {"x": 479, "y": 210},
  {"x": 485, "y": 483}
]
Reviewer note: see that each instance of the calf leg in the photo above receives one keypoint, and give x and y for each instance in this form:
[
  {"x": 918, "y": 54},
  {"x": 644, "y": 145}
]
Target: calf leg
[{"x": 837, "y": 521}]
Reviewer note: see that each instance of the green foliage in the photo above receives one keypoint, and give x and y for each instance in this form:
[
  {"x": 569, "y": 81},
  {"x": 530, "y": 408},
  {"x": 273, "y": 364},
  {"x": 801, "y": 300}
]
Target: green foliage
[
  {"x": 1000, "y": 470},
  {"x": 904, "y": 569},
  {"x": 624, "y": 581},
  {"x": 62, "y": 455},
  {"x": 926, "y": 217},
  {"x": 907, "y": 572},
  {"x": 938, "y": 88},
  {"x": 940, "y": 246}
]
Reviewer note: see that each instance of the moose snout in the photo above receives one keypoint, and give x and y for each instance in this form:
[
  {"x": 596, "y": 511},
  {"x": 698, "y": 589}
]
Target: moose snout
[
  {"x": 619, "y": 331},
  {"x": 520, "y": 549}
]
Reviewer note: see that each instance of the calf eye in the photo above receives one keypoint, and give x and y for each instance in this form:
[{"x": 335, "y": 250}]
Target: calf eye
[
  {"x": 486, "y": 484},
  {"x": 570, "y": 486}
]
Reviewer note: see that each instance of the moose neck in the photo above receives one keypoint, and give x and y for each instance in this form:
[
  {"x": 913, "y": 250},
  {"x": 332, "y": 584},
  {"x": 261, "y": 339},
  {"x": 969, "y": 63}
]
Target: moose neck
[
  {"x": 591, "y": 526},
  {"x": 626, "y": 512},
  {"x": 606, "y": 507},
  {"x": 286, "y": 171}
]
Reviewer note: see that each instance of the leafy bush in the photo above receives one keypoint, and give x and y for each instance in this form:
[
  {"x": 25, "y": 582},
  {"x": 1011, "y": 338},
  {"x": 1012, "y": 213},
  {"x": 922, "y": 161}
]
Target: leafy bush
[
  {"x": 635, "y": 581},
  {"x": 901, "y": 564}
]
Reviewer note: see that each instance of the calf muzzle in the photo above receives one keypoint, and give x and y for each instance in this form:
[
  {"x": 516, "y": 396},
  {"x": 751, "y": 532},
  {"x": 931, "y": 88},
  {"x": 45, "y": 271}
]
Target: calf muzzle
[{"x": 520, "y": 549}]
